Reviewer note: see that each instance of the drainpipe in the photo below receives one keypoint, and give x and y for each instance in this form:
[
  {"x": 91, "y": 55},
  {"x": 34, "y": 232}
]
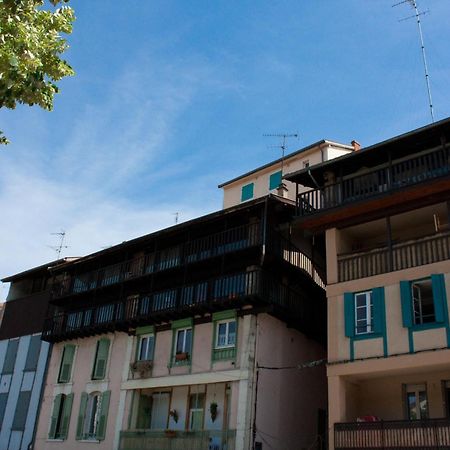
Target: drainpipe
[{"x": 264, "y": 231}]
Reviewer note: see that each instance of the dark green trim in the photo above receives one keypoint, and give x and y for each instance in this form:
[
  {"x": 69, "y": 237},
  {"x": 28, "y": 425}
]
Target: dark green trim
[
  {"x": 224, "y": 315},
  {"x": 410, "y": 340},
  {"x": 275, "y": 180},
  {"x": 150, "y": 329},
  {"x": 182, "y": 323}
]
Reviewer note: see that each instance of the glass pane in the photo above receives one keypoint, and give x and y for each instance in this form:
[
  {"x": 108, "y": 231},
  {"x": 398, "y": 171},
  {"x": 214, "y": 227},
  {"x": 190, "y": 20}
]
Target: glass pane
[
  {"x": 180, "y": 341},
  {"x": 160, "y": 411},
  {"x": 231, "y": 333},
  {"x": 360, "y": 300},
  {"x": 188, "y": 341},
  {"x": 221, "y": 334},
  {"x": 196, "y": 420},
  {"x": 361, "y": 313},
  {"x": 412, "y": 407},
  {"x": 423, "y": 405}
]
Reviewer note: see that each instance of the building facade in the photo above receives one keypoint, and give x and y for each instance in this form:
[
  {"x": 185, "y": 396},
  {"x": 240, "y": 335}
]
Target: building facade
[
  {"x": 23, "y": 356},
  {"x": 190, "y": 337},
  {"x": 385, "y": 213}
]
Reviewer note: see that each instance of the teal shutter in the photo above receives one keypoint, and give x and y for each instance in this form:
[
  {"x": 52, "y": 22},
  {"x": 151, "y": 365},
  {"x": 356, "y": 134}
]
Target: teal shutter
[
  {"x": 247, "y": 192},
  {"x": 81, "y": 414},
  {"x": 101, "y": 359},
  {"x": 439, "y": 297},
  {"x": 275, "y": 180},
  {"x": 65, "y": 420},
  {"x": 378, "y": 309},
  {"x": 349, "y": 314},
  {"x": 66, "y": 364},
  {"x": 406, "y": 299},
  {"x": 55, "y": 415},
  {"x": 104, "y": 408}
]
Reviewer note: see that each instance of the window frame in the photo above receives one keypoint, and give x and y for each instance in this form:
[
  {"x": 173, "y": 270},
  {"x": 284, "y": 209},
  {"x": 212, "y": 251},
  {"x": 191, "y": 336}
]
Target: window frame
[
  {"x": 141, "y": 339},
  {"x": 416, "y": 390},
  {"x": 227, "y": 334},
  {"x": 368, "y": 307},
  {"x": 184, "y": 330}
]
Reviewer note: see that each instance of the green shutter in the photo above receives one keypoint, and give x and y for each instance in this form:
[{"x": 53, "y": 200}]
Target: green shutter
[
  {"x": 55, "y": 415},
  {"x": 439, "y": 297},
  {"x": 65, "y": 420},
  {"x": 66, "y": 364},
  {"x": 81, "y": 414},
  {"x": 247, "y": 192},
  {"x": 275, "y": 180},
  {"x": 101, "y": 430},
  {"x": 101, "y": 359},
  {"x": 378, "y": 309},
  {"x": 349, "y": 314},
  {"x": 406, "y": 298}
]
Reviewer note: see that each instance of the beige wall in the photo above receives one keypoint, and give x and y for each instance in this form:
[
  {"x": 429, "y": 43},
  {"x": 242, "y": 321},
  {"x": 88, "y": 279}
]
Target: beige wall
[{"x": 232, "y": 191}]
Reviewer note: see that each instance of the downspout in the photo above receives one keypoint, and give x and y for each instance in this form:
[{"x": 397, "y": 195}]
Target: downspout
[
  {"x": 264, "y": 231},
  {"x": 255, "y": 385}
]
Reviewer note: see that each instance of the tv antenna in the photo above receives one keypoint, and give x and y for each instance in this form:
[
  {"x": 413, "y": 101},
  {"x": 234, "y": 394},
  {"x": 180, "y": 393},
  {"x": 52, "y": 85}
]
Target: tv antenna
[
  {"x": 417, "y": 15},
  {"x": 282, "y": 145},
  {"x": 58, "y": 248},
  {"x": 177, "y": 215}
]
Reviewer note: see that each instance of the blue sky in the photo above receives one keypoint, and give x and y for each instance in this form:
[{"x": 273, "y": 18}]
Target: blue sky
[{"x": 170, "y": 98}]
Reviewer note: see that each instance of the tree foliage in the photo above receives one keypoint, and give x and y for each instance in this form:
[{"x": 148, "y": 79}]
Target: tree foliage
[{"x": 31, "y": 46}]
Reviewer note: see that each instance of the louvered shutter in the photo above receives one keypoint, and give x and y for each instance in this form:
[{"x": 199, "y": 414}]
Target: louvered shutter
[
  {"x": 406, "y": 298},
  {"x": 104, "y": 408},
  {"x": 439, "y": 297},
  {"x": 101, "y": 359},
  {"x": 81, "y": 415},
  {"x": 66, "y": 364},
  {"x": 55, "y": 415},
  {"x": 65, "y": 420},
  {"x": 378, "y": 309}
]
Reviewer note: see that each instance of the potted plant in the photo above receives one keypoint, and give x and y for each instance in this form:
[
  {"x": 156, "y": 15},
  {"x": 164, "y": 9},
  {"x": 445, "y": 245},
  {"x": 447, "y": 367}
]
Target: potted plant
[
  {"x": 174, "y": 414},
  {"x": 181, "y": 356},
  {"x": 213, "y": 410},
  {"x": 170, "y": 433}
]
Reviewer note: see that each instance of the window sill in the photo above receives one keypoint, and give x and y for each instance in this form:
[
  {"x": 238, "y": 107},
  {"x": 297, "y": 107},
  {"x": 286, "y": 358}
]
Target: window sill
[
  {"x": 55, "y": 440},
  {"x": 362, "y": 337},
  {"x": 428, "y": 326},
  {"x": 89, "y": 441}
]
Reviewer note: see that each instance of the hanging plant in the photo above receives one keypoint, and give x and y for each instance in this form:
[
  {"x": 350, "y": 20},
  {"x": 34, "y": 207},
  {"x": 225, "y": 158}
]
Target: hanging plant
[
  {"x": 213, "y": 411},
  {"x": 174, "y": 414}
]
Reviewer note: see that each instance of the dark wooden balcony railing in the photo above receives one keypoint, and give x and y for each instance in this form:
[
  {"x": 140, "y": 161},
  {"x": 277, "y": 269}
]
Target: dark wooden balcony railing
[
  {"x": 430, "y": 434},
  {"x": 231, "y": 290},
  {"x": 284, "y": 248},
  {"x": 402, "y": 255},
  {"x": 372, "y": 183},
  {"x": 178, "y": 440},
  {"x": 228, "y": 241}
]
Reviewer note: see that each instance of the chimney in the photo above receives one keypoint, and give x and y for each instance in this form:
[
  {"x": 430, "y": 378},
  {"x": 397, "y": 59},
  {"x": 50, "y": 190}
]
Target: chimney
[{"x": 356, "y": 145}]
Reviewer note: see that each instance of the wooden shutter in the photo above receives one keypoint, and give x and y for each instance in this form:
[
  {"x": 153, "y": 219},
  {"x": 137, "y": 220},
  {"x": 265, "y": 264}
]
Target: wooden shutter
[
  {"x": 406, "y": 299},
  {"x": 439, "y": 297},
  {"x": 66, "y": 364},
  {"x": 101, "y": 359},
  {"x": 104, "y": 408},
  {"x": 378, "y": 310},
  {"x": 55, "y": 415},
  {"x": 349, "y": 314},
  {"x": 65, "y": 420},
  {"x": 81, "y": 414}
]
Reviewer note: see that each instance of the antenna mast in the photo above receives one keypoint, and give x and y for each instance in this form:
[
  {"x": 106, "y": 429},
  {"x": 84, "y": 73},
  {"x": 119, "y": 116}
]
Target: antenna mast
[
  {"x": 417, "y": 15},
  {"x": 58, "y": 248},
  {"x": 282, "y": 145}
]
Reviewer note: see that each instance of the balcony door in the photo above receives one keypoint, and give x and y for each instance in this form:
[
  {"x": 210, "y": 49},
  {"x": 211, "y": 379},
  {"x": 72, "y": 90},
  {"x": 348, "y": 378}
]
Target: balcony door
[
  {"x": 416, "y": 401},
  {"x": 160, "y": 410}
]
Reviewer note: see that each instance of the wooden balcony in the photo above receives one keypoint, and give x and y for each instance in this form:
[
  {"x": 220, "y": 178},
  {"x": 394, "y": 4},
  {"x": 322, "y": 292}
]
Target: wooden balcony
[
  {"x": 431, "y": 434},
  {"x": 376, "y": 183},
  {"x": 178, "y": 440},
  {"x": 401, "y": 255},
  {"x": 232, "y": 240},
  {"x": 230, "y": 291}
]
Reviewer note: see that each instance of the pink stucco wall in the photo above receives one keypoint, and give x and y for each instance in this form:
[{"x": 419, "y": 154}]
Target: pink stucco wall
[
  {"x": 81, "y": 382},
  {"x": 288, "y": 399}
]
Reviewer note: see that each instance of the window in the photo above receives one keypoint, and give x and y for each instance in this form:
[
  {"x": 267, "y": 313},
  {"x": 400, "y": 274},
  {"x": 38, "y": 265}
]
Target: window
[
  {"x": 416, "y": 402},
  {"x": 226, "y": 334},
  {"x": 183, "y": 344},
  {"x": 20, "y": 415},
  {"x": 196, "y": 409},
  {"x": 424, "y": 302},
  {"x": 275, "y": 180},
  {"x": 101, "y": 359},
  {"x": 59, "y": 425},
  {"x": 33, "y": 353},
  {"x": 93, "y": 416},
  {"x": 247, "y": 192},
  {"x": 363, "y": 312},
  {"x": 65, "y": 369},
  {"x": 145, "y": 348},
  {"x": 160, "y": 410},
  {"x": 10, "y": 358},
  {"x": 306, "y": 164}
]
